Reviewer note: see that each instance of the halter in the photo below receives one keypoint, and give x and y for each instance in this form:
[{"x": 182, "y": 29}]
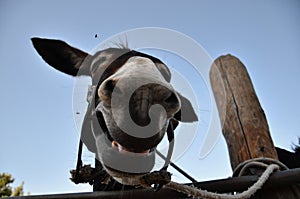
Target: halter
[{"x": 94, "y": 117}]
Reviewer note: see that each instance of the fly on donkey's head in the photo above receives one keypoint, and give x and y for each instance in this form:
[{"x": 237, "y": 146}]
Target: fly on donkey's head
[{"x": 131, "y": 104}]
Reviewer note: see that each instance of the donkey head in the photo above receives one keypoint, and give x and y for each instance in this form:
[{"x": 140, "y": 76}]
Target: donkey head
[{"x": 132, "y": 101}]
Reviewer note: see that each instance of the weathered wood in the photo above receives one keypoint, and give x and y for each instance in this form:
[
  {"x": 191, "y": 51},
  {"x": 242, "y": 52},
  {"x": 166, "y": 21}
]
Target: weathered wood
[{"x": 244, "y": 124}]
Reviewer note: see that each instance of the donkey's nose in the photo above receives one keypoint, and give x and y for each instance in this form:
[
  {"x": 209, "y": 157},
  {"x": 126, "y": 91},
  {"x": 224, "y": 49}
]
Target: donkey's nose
[
  {"x": 148, "y": 95},
  {"x": 171, "y": 102}
]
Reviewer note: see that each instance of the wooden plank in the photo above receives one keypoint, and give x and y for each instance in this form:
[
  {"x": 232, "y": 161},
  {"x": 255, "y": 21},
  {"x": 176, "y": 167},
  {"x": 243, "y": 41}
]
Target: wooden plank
[{"x": 244, "y": 124}]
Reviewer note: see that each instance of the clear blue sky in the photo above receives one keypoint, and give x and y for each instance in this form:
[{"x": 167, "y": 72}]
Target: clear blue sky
[{"x": 38, "y": 136}]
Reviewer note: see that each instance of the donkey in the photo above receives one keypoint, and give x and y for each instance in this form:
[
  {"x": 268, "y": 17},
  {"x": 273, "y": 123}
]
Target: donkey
[{"x": 131, "y": 105}]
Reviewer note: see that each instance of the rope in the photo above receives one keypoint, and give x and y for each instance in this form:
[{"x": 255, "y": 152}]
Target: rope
[
  {"x": 270, "y": 165},
  {"x": 241, "y": 169},
  {"x": 164, "y": 178},
  {"x": 199, "y": 193}
]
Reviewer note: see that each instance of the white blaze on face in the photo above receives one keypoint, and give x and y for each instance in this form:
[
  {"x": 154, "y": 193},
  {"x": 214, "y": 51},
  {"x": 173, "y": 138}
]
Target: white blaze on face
[{"x": 140, "y": 67}]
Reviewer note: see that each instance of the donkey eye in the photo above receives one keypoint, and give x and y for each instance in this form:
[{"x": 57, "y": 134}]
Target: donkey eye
[{"x": 96, "y": 65}]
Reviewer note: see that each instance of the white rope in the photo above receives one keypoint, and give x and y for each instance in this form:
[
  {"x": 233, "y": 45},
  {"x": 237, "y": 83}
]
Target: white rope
[
  {"x": 199, "y": 193},
  {"x": 241, "y": 169}
]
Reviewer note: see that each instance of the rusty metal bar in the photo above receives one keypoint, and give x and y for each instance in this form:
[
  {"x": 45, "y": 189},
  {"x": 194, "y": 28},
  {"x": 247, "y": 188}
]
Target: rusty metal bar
[{"x": 236, "y": 184}]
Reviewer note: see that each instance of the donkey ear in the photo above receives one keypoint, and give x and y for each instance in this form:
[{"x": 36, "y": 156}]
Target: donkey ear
[
  {"x": 61, "y": 56},
  {"x": 186, "y": 113}
]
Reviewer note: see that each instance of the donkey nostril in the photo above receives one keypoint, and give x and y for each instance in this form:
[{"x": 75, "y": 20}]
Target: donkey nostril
[
  {"x": 110, "y": 85},
  {"x": 106, "y": 89},
  {"x": 172, "y": 99}
]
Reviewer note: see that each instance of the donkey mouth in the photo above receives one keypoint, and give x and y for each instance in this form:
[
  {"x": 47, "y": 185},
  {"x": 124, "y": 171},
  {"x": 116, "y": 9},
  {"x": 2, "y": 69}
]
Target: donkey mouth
[
  {"x": 123, "y": 164},
  {"x": 126, "y": 151}
]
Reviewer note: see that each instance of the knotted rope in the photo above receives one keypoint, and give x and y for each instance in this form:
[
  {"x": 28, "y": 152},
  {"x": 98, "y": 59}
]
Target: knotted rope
[
  {"x": 164, "y": 177},
  {"x": 270, "y": 166}
]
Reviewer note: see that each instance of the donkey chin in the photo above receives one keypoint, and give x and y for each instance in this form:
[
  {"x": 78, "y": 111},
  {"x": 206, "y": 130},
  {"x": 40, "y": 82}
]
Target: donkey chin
[{"x": 124, "y": 165}]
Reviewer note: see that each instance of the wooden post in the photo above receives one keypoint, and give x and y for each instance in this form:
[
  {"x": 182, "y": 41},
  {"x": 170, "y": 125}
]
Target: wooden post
[{"x": 244, "y": 124}]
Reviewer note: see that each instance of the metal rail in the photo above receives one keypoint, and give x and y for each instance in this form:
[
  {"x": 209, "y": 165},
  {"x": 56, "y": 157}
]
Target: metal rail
[{"x": 236, "y": 184}]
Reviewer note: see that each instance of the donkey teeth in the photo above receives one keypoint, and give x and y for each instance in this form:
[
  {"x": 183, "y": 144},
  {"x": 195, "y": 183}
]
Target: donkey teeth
[{"x": 124, "y": 150}]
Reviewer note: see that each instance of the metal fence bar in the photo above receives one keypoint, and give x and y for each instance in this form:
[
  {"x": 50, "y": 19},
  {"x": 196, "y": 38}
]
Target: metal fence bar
[{"x": 236, "y": 184}]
